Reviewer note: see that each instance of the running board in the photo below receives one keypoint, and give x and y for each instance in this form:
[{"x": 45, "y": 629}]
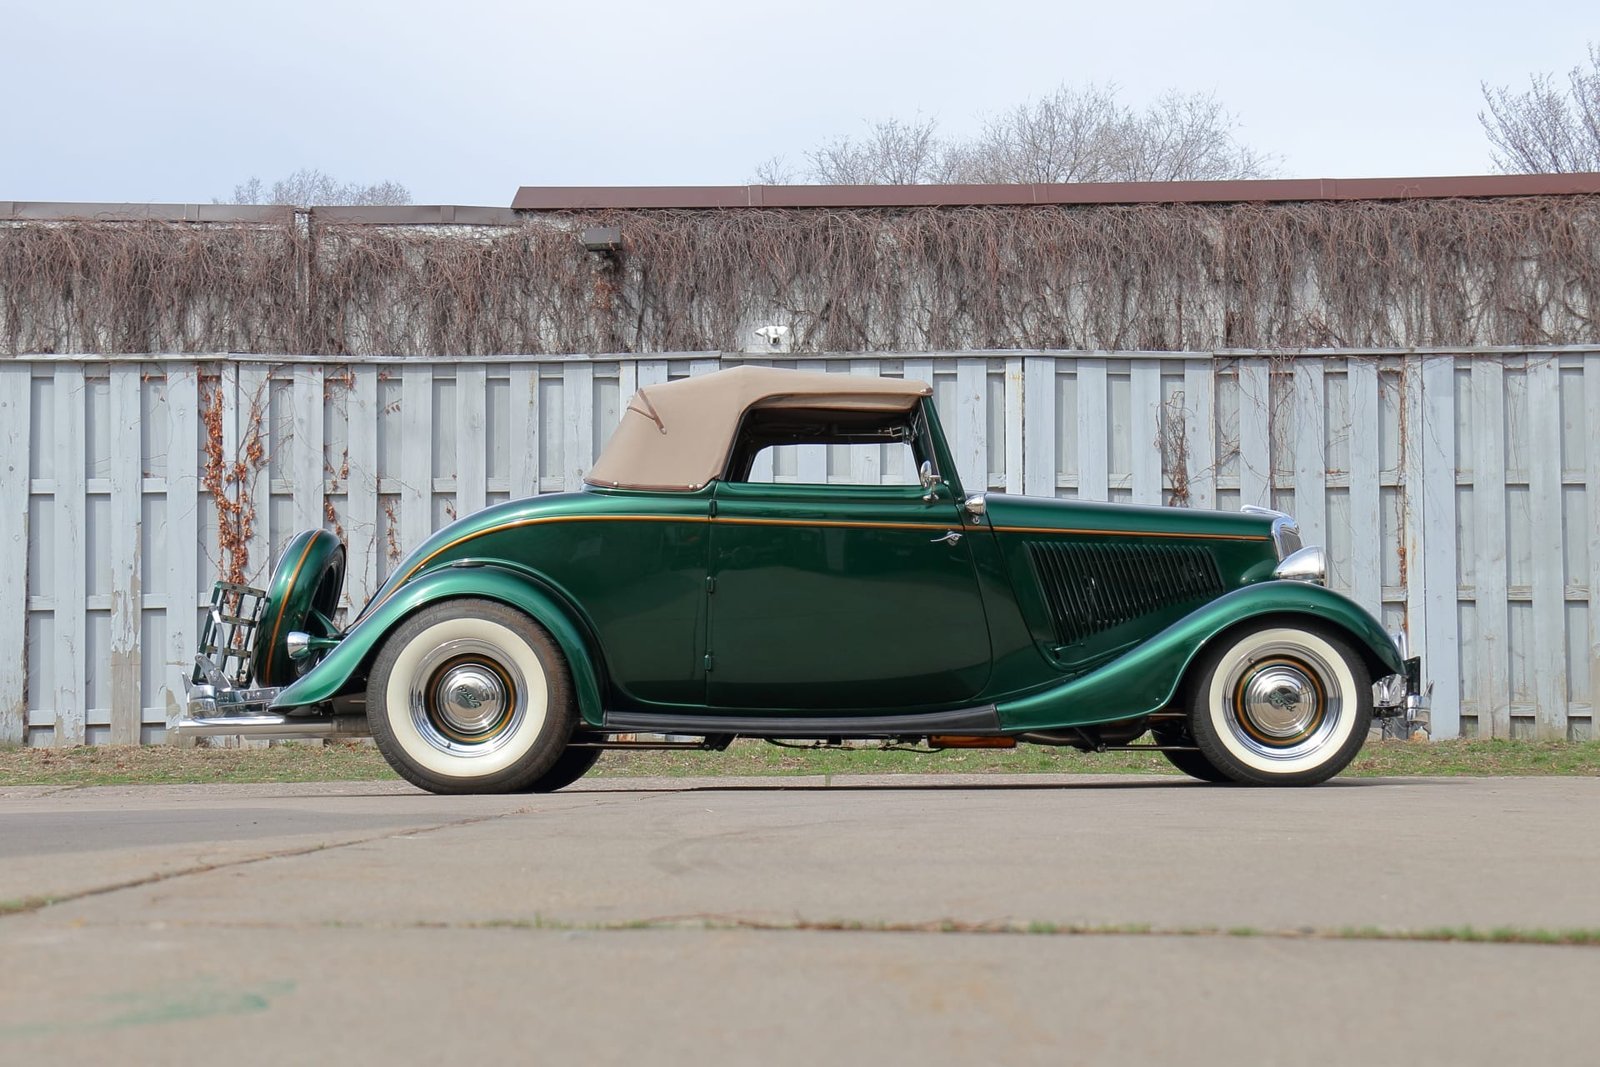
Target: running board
[{"x": 983, "y": 721}]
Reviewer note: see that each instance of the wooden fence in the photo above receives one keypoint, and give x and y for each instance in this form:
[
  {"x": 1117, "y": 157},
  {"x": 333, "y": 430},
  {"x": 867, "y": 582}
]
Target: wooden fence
[{"x": 1458, "y": 492}]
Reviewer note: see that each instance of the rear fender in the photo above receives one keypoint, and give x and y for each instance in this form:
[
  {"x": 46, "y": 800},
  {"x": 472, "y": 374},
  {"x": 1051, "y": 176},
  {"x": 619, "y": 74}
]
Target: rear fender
[
  {"x": 342, "y": 669},
  {"x": 1146, "y": 678}
]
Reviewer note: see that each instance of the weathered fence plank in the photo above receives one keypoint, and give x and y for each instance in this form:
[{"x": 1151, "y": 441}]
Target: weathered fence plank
[
  {"x": 472, "y": 446},
  {"x": 183, "y": 532},
  {"x": 67, "y": 587},
  {"x": 1591, "y": 407},
  {"x": 577, "y": 383},
  {"x": 1310, "y": 450},
  {"x": 360, "y": 471},
  {"x": 1200, "y": 432},
  {"x": 1366, "y": 553},
  {"x": 1014, "y": 387},
  {"x": 969, "y": 437},
  {"x": 125, "y": 585},
  {"x": 1435, "y": 521},
  {"x": 416, "y": 455},
  {"x": 308, "y": 447},
  {"x": 247, "y": 416},
  {"x": 524, "y": 431},
  {"x": 1549, "y": 588},
  {"x": 1489, "y": 567},
  {"x": 1093, "y": 403},
  {"x": 16, "y": 426},
  {"x": 1038, "y": 426},
  {"x": 1255, "y": 433}
]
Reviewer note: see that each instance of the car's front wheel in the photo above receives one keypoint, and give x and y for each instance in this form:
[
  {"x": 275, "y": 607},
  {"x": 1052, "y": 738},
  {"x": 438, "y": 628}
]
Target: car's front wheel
[
  {"x": 1281, "y": 705},
  {"x": 470, "y": 696}
]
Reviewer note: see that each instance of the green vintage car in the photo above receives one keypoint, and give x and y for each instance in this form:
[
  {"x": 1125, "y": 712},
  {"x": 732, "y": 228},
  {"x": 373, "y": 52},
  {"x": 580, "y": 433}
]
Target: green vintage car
[{"x": 677, "y": 600}]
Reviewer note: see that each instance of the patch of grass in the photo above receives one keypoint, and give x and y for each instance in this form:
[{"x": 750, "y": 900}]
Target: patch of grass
[
  {"x": 1457, "y": 758},
  {"x": 20, "y": 905},
  {"x": 354, "y": 761},
  {"x": 1471, "y": 758},
  {"x": 164, "y": 765}
]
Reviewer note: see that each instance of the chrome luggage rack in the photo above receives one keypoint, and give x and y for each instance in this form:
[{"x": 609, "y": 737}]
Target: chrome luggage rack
[
  {"x": 221, "y": 701},
  {"x": 219, "y": 685}
]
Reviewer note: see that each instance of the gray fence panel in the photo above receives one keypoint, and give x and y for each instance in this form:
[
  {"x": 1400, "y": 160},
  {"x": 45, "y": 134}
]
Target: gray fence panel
[{"x": 1458, "y": 493}]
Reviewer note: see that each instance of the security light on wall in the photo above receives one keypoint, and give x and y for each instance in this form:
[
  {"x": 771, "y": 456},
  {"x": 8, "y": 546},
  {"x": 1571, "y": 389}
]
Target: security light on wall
[{"x": 776, "y": 338}]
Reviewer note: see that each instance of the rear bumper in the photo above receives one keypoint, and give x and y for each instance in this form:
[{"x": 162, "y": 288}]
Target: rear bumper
[{"x": 223, "y": 711}]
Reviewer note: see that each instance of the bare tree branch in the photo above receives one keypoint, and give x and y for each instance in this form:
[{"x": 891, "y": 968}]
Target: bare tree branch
[
  {"x": 309, "y": 187},
  {"x": 1072, "y": 135},
  {"x": 892, "y": 153},
  {"x": 1545, "y": 129}
]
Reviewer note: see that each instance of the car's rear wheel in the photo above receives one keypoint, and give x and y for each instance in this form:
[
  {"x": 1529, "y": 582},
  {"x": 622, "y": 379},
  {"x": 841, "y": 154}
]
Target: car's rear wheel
[
  {"x": 571, "y": 765},
  {"x": 1281, "y": 705},
  {"x": 1190, "y": 761},
  {"x": 470, "y": 696}
]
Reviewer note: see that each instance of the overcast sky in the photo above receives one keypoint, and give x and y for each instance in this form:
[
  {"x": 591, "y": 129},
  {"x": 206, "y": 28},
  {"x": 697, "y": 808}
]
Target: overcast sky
[{"x": 463, "y": 102}]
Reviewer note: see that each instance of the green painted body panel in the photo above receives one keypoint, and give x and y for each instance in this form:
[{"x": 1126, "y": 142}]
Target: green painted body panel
[
  {"x": 344, "y": 669},
  {"x": 1146, "y": 678},
  {"x": 749, "y": 599},
  {"x": 838, "y": 598},
  {"x": 1240, "y": 545}
]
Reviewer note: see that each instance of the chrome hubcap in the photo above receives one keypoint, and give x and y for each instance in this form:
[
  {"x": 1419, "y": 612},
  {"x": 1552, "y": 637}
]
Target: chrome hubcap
[
  {"x": 1281, "y": 701},
  {"x": 467, "y": 697},
  {"x": 1284, "y": 701},
  {"x": 471, "y": 698}
]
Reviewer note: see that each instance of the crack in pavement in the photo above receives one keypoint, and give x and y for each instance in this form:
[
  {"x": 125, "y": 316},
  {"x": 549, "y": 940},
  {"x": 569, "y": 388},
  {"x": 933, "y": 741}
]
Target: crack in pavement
[
  {"x": 31, "y": 904},
  {"x": 721, "y": 922}
]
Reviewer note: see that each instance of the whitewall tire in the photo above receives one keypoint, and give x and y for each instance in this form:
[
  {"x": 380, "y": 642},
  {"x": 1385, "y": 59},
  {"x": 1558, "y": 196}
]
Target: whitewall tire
[
  {"x": 470, "y": 696},
  {"x": 1281, "y": 705}
]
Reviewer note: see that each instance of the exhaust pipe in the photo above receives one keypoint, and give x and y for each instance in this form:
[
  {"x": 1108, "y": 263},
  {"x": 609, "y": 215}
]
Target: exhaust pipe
[{"x": 271, "y": 726}]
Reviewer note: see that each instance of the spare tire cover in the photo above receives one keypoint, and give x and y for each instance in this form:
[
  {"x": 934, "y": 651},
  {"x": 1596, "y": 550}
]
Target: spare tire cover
[{"x": 303, "y": 595}]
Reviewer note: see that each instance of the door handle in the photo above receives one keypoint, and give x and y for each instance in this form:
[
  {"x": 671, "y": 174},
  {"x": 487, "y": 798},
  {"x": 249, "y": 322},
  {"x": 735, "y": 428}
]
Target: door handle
[{"x": 950, "y": 537}]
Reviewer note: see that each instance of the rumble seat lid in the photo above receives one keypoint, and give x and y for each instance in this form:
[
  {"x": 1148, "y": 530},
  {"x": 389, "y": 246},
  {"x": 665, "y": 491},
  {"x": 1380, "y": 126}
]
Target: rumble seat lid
[{"x": 677, "y": 435}]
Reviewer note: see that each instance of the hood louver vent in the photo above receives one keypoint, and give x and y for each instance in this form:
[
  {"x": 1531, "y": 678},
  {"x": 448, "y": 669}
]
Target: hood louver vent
[{"x": 1090, "y": 588}]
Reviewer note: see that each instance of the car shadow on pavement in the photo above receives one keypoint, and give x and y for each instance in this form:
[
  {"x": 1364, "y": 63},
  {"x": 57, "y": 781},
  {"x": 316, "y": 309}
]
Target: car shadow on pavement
[{"x": 879, "y": 784}]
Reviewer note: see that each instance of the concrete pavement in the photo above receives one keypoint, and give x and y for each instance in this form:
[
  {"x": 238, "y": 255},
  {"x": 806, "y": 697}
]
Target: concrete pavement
[{"x": 613, "y": 922}]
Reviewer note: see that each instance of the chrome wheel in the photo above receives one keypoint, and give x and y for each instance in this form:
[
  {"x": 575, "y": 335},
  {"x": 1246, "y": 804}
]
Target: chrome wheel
[
  {"x": 467, "y": 698},
  {"x": 1282, "y": 705},
  {"x": 470, "y": 696}
]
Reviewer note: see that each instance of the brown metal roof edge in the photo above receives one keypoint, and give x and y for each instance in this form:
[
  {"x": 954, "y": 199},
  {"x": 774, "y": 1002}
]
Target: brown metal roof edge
[
  {"x": 48, "y": 211},
  {"x": 593, "y": 198},
  {"x": 399, "y": 215}
]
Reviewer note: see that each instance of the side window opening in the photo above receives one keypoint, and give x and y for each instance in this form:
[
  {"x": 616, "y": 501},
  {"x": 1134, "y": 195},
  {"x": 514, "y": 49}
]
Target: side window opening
[{"x": 828, "y": 447}]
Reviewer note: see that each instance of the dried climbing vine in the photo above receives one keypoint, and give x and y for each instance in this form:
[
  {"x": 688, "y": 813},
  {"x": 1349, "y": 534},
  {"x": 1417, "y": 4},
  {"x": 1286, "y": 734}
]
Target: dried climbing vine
[
  {"x": 1381, "y": 274},
  {"x": 227, "y": 479}
]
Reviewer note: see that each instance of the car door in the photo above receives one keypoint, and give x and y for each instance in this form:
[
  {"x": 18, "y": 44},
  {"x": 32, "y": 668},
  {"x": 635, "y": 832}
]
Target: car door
[{"x": 841, "y": 598}]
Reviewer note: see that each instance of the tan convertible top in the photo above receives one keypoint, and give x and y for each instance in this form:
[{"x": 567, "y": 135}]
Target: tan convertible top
[{"x": 677, "y": 435}]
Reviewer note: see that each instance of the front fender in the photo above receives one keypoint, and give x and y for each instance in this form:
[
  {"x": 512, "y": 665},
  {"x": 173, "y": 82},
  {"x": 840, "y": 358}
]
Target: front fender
[
  {"x": 333, "y": 675},
  {"x": 1146, "y": 678}
]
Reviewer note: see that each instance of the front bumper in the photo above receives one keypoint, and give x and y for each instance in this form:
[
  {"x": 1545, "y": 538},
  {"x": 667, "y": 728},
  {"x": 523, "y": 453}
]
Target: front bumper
[{"x": 1402, "y": 697}]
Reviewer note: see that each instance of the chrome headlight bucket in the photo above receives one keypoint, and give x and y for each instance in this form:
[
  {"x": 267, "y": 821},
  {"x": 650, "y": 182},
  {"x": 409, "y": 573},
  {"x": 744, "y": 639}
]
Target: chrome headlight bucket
[
  {"x": 1285, "y": 531},
  {"x": 1304, "y": 565}
]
